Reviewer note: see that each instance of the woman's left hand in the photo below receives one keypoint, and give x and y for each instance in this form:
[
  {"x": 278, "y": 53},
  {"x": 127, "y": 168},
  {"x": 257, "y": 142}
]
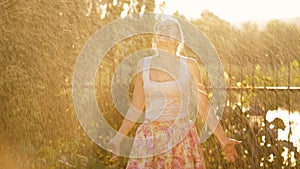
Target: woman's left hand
[{"x": 229, "y": 149}]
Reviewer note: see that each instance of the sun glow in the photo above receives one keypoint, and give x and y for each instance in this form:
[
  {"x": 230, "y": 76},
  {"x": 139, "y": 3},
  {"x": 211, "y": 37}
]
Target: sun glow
[{"x": 233, "y": 10}]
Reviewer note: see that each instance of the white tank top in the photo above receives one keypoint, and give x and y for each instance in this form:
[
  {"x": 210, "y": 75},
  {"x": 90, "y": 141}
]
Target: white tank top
[{"x": 167, "y": 100}]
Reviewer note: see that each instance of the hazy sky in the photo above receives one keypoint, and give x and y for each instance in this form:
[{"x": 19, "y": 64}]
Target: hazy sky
[{"x": 235, "y": 10}]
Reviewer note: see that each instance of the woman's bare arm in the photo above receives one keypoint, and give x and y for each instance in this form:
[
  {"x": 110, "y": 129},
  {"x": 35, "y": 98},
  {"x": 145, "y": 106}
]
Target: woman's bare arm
[
  {"x": 134, "y": 111},
  {"x": 204, "y": 104},
  {"x": 227, "y": 144}
]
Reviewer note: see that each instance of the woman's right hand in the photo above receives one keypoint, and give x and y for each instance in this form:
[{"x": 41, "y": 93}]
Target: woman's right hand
[{"x": 115, "y": 149}]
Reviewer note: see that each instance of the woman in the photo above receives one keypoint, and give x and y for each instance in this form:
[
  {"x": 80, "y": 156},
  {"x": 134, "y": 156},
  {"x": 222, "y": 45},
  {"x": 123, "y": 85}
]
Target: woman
[{"x": 168, "y": 138}]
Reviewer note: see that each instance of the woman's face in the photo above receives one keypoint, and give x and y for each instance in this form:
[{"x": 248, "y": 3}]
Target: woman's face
[{"x": 171, "y": 32}]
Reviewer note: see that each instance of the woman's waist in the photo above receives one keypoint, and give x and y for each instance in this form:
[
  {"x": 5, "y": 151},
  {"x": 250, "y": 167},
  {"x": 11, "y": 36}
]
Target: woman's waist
[
  {"x": 165, "y": 114},
  {"x": 181, "y": 125},
  {"x": 182, "y": 119}
]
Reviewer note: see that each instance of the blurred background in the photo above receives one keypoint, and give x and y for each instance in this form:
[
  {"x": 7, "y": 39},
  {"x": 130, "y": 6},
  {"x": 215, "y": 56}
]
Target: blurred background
[{"x": 258, "y": 43}]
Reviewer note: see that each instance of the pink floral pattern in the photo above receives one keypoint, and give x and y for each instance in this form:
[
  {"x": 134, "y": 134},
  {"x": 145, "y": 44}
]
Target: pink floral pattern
[{"x": 156, "y": 136}]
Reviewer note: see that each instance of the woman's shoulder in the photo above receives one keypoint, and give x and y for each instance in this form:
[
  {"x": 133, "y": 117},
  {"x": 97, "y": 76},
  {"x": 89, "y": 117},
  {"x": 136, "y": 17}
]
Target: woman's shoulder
[
  {"x": 141, "y": 61},
  {"x": 191, "y": 62}
]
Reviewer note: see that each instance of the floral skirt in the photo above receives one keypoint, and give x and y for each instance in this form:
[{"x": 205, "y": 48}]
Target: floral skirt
[{"x": 168, "y": 145}]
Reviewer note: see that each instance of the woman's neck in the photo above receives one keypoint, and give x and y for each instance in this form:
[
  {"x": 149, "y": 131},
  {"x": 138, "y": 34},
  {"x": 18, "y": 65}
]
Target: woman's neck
[
  {"x": 167, "y": 49},
  {"x": 164, "y": 52}
]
